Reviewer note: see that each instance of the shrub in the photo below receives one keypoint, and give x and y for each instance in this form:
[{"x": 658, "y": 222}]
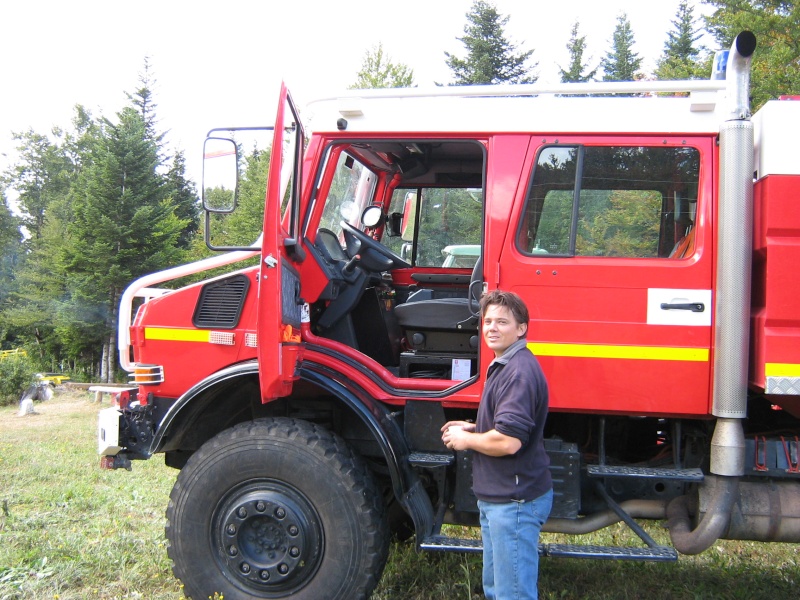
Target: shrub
[{"x": 16, "y": 374}]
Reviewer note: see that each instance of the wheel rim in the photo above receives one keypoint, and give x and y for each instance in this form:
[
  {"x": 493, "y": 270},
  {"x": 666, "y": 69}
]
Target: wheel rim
[{"x": 268, "y": 537}]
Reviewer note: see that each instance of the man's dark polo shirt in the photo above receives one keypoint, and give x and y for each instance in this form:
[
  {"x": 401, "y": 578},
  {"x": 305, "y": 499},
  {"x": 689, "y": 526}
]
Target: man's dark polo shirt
[{"x": 514, "y": 402}]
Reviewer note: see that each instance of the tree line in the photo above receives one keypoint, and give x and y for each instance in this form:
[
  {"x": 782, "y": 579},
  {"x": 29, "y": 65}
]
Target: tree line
[
  {"x": 490, "y": 57},
  {"x": 101, "y": 202}
]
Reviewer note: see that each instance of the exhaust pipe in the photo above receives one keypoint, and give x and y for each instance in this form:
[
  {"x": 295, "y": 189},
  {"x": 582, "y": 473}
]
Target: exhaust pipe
[
  {"x": 762, "y": 511},
  {"x": 637, "y": 509},
  {"x": 714, "y": 523},
  {"x": 732, "y": 311}
]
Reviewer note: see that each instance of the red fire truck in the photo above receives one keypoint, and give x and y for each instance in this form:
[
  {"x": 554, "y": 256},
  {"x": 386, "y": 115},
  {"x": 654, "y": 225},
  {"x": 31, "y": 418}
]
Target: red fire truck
[{"x": 652, "y": 229}]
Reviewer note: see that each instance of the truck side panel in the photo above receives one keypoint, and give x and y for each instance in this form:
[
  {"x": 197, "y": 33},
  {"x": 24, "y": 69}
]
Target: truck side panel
[{"x": 775, "y": 364}]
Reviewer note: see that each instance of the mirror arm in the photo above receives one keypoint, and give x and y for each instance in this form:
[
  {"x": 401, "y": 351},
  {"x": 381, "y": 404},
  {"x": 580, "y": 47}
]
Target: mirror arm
[{"x": 294, "y": 249}]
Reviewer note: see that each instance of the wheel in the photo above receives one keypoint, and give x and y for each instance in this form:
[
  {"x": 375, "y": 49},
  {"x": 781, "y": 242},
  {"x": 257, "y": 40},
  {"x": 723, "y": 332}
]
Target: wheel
[{"x": 276, "y": 508}]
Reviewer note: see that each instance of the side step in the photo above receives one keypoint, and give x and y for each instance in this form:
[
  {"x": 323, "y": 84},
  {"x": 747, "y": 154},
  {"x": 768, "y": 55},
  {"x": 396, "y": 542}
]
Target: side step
[
  {"x": 656, "y": 553},
  {"x": 431, "y": 459},
  {"x": 695, "y": 475},
  {"x": 440, "y": 543}
]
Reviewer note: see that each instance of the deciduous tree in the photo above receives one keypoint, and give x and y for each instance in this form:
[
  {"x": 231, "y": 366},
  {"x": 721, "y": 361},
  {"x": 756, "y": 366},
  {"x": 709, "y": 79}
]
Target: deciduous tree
[
  {"x": 10, "y": 238},
  {"x": 378, "y": 71},
  {"x": 776, "y": 24}
]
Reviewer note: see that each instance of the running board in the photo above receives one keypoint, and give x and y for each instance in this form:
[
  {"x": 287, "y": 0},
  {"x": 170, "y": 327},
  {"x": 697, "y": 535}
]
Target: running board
[
  {"x": 440, "y": 543},
  {"x": 695, "y": 475},
  {"x": 656, "y": 553},
  {"x": 431, "y": 460}
]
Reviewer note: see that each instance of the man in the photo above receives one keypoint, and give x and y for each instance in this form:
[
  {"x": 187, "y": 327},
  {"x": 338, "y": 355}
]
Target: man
[{"x": 511, "y": 478}]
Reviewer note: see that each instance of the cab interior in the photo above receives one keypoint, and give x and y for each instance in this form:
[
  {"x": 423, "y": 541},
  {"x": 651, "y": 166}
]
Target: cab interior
[{"x": 394, "y": 233}]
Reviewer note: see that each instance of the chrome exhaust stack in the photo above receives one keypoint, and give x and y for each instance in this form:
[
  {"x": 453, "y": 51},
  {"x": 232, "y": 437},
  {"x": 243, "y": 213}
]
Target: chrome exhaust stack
[{"x": 732, "y": 312}]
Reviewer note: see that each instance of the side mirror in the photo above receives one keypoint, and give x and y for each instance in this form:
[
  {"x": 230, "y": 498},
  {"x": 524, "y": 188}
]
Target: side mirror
[
  {"x": 220, "y": 175},
  {"x": 394, "y": 225},
  {"x": 373, "y": 216}
]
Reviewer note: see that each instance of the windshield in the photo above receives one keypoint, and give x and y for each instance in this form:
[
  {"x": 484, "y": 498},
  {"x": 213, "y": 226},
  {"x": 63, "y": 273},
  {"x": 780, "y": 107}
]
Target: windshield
[{"x": 352, "y": 189}]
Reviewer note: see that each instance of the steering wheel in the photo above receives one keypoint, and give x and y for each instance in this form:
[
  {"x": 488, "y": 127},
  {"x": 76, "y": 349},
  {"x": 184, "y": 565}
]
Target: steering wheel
[
  {"x": 386, "y": 261},
  {"x": 475, "y": 288}
]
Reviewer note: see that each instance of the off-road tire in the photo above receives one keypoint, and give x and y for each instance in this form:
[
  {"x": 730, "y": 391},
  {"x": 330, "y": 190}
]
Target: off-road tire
[{"x": 276, "y": 508}]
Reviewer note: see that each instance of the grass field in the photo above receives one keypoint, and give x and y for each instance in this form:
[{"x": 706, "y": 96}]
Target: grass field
[{"x": 70, "y": 531}]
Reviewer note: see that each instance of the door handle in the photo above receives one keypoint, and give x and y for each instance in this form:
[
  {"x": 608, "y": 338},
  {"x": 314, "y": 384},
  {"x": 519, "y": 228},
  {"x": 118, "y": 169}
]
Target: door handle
[{"x": 697, "y": 307}]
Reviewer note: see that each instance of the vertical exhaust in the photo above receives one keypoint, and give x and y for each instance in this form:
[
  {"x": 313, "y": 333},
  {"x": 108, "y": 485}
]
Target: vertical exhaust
[
  {"x": 732, "y": 311},
  {"x": 734, "y": 258}
]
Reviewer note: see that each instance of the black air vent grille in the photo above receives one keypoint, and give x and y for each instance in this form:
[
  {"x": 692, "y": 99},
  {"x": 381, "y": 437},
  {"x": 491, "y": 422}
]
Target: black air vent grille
[{"x": 220, "y": 304}]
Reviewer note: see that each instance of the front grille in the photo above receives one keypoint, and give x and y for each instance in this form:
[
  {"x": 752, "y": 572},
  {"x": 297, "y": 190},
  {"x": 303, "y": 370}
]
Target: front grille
[{"x": 220, "y": 303}]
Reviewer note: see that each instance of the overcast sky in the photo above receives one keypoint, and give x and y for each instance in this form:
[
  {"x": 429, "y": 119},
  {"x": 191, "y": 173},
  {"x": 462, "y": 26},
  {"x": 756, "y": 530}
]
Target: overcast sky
[{"x": 220, "y": 63}]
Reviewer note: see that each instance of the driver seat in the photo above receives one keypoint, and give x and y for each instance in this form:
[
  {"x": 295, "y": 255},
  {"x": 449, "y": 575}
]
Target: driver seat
[{"x": 443, "y": 324}]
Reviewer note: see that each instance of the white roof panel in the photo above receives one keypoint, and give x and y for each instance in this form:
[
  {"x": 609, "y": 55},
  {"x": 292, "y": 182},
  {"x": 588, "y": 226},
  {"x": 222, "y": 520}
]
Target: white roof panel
[{"x": 473, "y": 110}]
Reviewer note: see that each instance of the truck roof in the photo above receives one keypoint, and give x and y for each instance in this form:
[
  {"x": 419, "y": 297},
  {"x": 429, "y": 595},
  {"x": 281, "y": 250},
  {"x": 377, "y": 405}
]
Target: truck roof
[
  {"x": 612, "y": 108},
  {"x": 527, "y": 108}
]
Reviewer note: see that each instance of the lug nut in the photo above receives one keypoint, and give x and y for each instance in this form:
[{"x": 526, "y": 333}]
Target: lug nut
[
  {"x": 233, "y": 551},
  {"x": 231, "y": 529},
  {"x": 242, "y": 512},
  {"x": 260, "y": 506},
  {"x": 283, "y": 568},
  {"x": 245, "y": 568},
  {"x": 280, "y": 513}
]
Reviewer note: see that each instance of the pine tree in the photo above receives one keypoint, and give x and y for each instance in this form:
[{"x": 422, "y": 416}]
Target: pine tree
[
  {"x": 123, "y": 226},
  {"x": 142, "y": 99},
  {"x": 576, "y": 47},
  {"x": 184, "y": 197},
  {"x": 621, "y": 63},
  {"x": 776, "y": 24},
  {"x": 378, "y": 71},
  {"x": 681, "y": 58},
  {"x": 491, "y": 58}
]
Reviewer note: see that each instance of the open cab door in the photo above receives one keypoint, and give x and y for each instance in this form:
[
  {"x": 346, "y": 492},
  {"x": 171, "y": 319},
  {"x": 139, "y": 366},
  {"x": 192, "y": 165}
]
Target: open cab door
[{"x": 279, "y": 303}]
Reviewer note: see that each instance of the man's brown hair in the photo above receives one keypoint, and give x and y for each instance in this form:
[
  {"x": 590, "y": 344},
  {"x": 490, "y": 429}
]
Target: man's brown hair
[{"x": 509, "y": 300}]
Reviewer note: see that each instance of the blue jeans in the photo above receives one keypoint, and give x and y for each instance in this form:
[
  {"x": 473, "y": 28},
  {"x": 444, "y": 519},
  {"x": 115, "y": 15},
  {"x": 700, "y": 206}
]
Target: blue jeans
[{"x": 510, "y": 532}]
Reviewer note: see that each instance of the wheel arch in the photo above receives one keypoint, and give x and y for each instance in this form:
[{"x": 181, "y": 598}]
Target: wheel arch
[
  {"x": 199, "y": 414},
  {"x": 385, "y": 429}
]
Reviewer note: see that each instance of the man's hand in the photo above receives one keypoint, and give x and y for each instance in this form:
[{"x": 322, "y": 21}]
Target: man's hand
[
  {"x": 460, "y": 435},
  {"x": 455, "y": 434}
]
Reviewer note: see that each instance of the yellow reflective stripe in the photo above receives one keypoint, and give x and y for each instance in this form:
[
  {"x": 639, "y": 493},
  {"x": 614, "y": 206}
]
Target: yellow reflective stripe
[
  {"x": 781, "y": 370},
  {"x": 620, "y": 352},
  {"x": 176, "y": 335}
]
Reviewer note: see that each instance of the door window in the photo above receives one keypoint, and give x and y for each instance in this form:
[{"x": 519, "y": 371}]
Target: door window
[{"x": 612, "y": 201}]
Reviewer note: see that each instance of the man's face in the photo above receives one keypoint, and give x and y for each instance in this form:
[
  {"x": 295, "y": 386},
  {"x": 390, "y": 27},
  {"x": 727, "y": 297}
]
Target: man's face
[{"x": 501, "y": 329}]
